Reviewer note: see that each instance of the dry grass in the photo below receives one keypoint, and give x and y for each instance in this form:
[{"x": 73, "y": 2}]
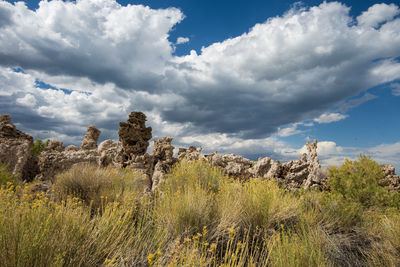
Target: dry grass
[{"x": 198, "y": 218}]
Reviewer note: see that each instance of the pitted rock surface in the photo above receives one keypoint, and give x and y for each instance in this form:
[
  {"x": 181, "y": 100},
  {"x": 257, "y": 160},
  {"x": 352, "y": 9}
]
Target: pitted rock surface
[
  {"x": 192, "y": 153},
  {"x": 315, "y": 176},
  {"x": 134, "y": 135},
  {"x": 53, "y": 162},
  {"x": 110, "y": 153},
  {"x": 15, "y": 150},
  {"x": 163, "y": 160},
  {"x": 391, "y": 181},
  {"x": 234, "y": 165},
  {"x": 91, "y": 138}
]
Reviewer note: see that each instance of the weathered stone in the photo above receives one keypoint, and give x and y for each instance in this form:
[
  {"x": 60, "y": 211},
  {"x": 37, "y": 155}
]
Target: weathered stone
[
  {"x": 234, "y": 165},
  {"x": 388, "y": 169},
  {"x": 163, "y": 160},
  {"x": 15, "y": 150},
  {"x": 315, "y": 175},
  {"x": 55, "y": 145},
  {"x": 91, "y": 138},
  {"x": 191, "y": 154},
  {"x": 71, "y": 148},
  {"x": 110, "y": 153},
  {"x": 134, "y": 135},
  {"x": 261, "y": 167},
  {"x": 391, "y": 181},
  {"x": 53, "y": 162}
]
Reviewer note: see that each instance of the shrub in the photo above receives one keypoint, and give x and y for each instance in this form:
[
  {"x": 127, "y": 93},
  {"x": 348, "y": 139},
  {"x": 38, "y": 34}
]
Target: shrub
[
  {"x": 36, "y": 232},
  {"x": 358, "y": 181},
  {"x": 185, "y": 211},
  {"x": 96, "y": 186},
  {"x": 6, "y": 176},
  {"x": 256, "y": 203},
  {"x": 38, "y": 146}
]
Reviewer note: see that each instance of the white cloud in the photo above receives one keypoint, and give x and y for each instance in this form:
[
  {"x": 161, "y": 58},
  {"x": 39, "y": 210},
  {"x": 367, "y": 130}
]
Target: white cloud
[
  {"x": 395, "y": 89},
  {"x": 28, "y": 100},
  {"x": 289, "y": 131},
  {"x": 378, "y": 13},
  {"x": 182, "y": 40},
  {"x": 100, "y": 40},
  {"x": 330, "y": 117}
]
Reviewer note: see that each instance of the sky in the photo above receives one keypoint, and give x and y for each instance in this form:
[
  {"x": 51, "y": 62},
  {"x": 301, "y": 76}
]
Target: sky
[{"x": 254, "y": 78}]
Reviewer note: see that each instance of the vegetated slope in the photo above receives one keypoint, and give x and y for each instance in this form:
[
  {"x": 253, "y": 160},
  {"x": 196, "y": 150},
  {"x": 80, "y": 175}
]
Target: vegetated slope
[{"x": 199, "y": 217}]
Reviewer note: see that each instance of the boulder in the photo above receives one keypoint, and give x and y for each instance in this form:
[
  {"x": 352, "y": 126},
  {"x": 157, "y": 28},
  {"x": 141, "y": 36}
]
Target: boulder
[
  {"x": 163, "y": 160},
  {"x": 315, "y": 176},
  {"x": 15, "y": 150},
  {"x": 53, "y": 162},
  {"x": 91, "y": 138},
  {"x": 110, "y": 153},
  {"x": 134, "y": 135}
]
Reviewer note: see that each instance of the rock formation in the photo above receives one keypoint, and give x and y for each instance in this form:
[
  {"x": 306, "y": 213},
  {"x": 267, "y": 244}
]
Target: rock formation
[
  {"x": 55, "y": 158},
  {"x": 91, "y": 138},
  {"x": 191, "y": 153},
  {"x": 15, "y": 150},
  {"x": 391, "y": 180},
  {"x": 130, "y": 151},
  {"x": 234, "y": 165},
  {"x": 163, "y": 160},
  {"x": 314, "y": 168},
  {"x": 110, "y": 153},
  {"x": 134, "y": 135}
]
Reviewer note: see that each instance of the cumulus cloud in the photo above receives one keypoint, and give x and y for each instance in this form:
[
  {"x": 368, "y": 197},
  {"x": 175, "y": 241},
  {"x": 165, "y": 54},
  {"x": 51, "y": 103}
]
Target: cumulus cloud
[
  {"x": 288, "y": 69},
  {"x": 100, "y": 40},
  {"x": 28, "y": 100},
  {"x": 330, "y": 117},
  {"x": 182, "y": 40},
  {"x": 378, "y": 13}
]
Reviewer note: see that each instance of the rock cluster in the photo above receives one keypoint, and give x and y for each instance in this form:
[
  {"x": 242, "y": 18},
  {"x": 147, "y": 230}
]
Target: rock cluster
[
  {"x": 55, "y": 158},
  {"x": 391, "y": 180},
  {"x": 15, "y": 150},
  {"x": 130, "y": 152}
]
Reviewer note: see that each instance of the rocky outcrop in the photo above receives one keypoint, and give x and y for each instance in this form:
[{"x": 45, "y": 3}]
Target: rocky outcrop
[
  {"x": 15, "y": 150},
  {"x": 315, "y": 177},
  {"x": 391, "y": 181},
  {"x": 134, "y": 135},
  {"x": 53, "y": 162},
  {"x": 163, "y": 160},
  {"x": 234, "y": 165},
  {"x": 191, "y": 153},
  {"x": 91, "y": 138},
  {"x": 130, "y": 152},
  {"x": 55, "y": 158},
  {"x": 110, "y": 153}
]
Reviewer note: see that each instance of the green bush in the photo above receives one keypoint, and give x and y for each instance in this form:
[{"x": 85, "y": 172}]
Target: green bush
[
  {"x": 358, "y": 181},
  {"x": 38, "y": 146},
  {"x": 6, "y": 176}
]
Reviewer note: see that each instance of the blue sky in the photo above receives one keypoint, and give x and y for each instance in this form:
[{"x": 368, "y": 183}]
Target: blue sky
[{"x": 255, "y": 78}]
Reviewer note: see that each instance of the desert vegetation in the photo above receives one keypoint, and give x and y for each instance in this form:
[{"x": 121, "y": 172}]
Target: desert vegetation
[{"x": 198, "y": 216}]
